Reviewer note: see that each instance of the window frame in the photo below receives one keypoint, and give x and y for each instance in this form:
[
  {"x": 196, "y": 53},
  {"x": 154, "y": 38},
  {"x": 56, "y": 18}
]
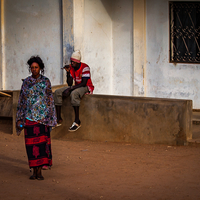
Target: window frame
[{"x": 171, "y": 49}]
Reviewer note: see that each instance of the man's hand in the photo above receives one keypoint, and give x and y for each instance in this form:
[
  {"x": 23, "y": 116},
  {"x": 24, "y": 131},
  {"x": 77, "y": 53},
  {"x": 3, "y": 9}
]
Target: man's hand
[
  {"x": 66, "y": 92},
  {"x": 67, "y": 68}
]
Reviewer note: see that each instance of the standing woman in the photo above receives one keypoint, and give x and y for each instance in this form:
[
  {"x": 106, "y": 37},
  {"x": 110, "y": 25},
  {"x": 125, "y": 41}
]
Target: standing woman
[{"x": 36, "y": 115}]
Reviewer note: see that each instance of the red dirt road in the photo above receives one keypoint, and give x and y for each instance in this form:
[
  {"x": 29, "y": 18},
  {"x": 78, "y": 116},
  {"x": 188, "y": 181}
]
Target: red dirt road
[{"x": 108, "y": 171}]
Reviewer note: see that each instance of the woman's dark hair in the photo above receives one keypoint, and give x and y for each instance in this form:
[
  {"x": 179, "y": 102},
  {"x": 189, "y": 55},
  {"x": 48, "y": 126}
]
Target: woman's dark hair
[{"x": 37, "y": 60}]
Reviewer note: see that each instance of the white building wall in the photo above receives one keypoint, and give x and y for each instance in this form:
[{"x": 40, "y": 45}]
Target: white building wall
[
  {"x": 31, "y": 27},
  {"x": 139, "y": 47},
  {"x": 93, "y": 36},
  {"x": 98, "y": 44},
  {"x": 122, "y": 30},
  {"x": 164, "y": 79},
  {"x": 103, "y": 31}
]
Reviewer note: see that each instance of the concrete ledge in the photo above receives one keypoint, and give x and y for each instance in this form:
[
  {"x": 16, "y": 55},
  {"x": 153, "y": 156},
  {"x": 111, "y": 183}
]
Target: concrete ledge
[
  {"x": 194, "y": 142},
  {"x": 5, "y": 106},
  {"x": 129, "y": 119},
  {"x": 125, "y": 119}
]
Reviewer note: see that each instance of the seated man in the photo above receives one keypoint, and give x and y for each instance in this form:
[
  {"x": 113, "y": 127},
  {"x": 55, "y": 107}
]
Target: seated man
[{"x": 80, "y": 73}]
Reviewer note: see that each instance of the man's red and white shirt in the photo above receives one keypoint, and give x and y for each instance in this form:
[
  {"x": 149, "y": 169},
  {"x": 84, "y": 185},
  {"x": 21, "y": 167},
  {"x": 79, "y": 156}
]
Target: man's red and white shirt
[{"x": 82, "y": 72}]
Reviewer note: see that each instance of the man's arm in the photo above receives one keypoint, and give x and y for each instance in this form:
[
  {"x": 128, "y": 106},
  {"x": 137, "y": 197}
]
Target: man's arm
[
  {"x": 71, "y": 88},
  {"x": 69, "y": 79},
  {"x": 82, "y": 84}
]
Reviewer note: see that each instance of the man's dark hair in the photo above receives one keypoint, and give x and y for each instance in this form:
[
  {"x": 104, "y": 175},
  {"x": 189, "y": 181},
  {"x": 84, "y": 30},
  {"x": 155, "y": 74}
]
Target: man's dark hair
[{"x": 37, "y": 60}]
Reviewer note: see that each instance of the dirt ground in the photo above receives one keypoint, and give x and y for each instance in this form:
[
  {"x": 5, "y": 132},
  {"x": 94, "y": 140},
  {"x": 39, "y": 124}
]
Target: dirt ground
[{"x": 100, "y": 170}]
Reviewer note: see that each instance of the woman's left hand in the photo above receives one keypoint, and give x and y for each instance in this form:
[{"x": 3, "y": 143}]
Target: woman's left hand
[{"x": 18, "y": 125}]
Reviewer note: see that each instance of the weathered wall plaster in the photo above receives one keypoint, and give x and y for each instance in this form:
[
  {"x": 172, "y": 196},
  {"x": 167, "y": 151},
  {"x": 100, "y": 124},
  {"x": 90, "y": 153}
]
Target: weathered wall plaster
[
  {"x": 126, "y": 44},
  {"x": 104, "y": 37},
  {"x": 32, "y": 28},
  {"x": 139, "y": 47},
  {"x": 164, "y": 79},
  {"x": 103, "y": 31},
  {"x": 2, "y": 35},
  {"x": 78, "y": 15},
  {"x": 93, "y": 35},
  {"x": 122, "y": 34},
  {"x": 68, "y": 33}
]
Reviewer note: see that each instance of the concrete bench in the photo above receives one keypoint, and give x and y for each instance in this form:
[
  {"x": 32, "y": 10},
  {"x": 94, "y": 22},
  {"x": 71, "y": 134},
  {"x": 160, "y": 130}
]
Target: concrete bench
[
  {"x": 6, "y": 105},
  {"x": 125, "y": 119},
  {"x": 129, "y": 119}
]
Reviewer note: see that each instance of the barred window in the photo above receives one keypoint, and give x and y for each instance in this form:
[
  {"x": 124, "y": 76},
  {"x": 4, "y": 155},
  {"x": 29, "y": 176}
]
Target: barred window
[{"x": 184, "y": 31}]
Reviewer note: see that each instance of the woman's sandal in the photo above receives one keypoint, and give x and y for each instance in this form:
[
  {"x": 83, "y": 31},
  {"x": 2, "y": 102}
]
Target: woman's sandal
[
  {"x": 40, "y": 177},
  {"x": 59, "y": 123},
  {"x": 33, "y": 177}
]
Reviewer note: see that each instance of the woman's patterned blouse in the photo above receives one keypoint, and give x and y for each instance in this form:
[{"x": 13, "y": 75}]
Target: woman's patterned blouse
[{"x": 36, "y": 102}]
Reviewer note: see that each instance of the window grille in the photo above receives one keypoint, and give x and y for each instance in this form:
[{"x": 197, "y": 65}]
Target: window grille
[{"x": 184, "y": 32}]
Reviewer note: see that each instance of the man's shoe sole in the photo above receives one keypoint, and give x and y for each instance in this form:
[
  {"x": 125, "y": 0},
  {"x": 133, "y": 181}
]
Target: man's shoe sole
[{"x": 75, "y": 129}]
